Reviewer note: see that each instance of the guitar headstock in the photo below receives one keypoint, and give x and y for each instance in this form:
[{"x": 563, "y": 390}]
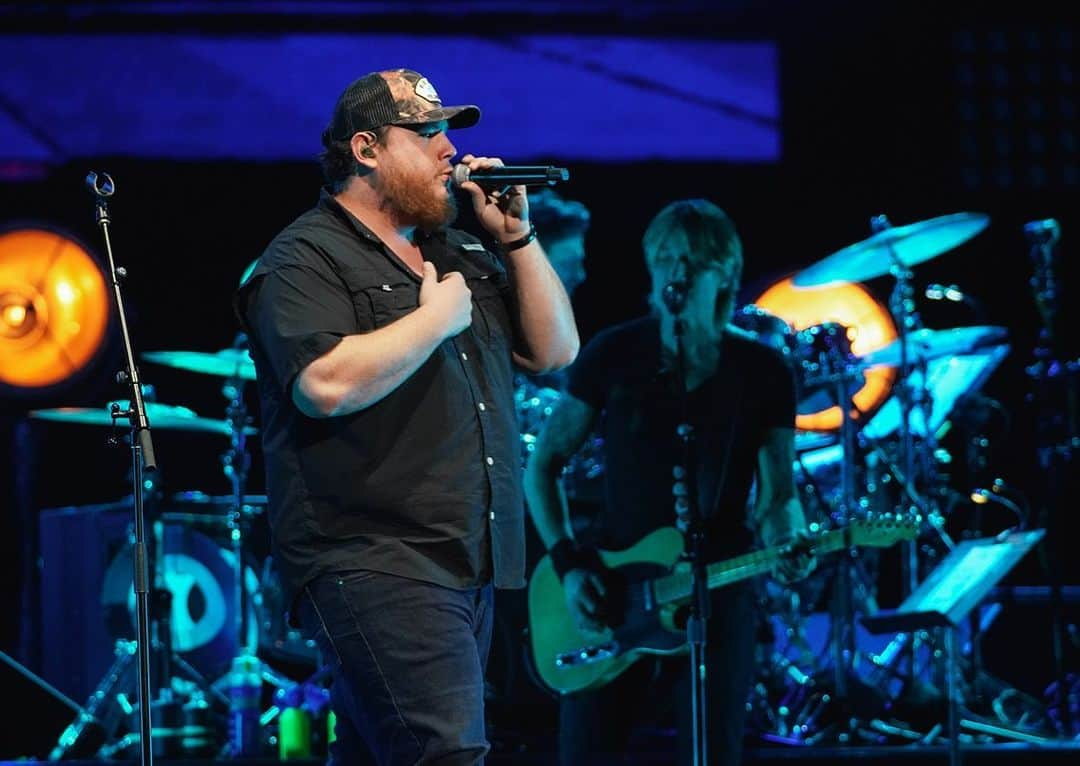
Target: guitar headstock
[{"x": 883, "y": 530}]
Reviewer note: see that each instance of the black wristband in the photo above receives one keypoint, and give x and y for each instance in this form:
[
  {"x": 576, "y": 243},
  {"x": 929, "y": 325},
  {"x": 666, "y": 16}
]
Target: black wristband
[
  {"x": 517, "y": 244},
  {"x": 567, "y": 554}
]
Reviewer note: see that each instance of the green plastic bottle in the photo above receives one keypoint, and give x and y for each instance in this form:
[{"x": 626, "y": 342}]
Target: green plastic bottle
[{"x": 294, "y": 734}]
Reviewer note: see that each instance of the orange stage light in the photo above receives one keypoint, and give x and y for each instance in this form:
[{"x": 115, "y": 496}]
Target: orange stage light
[
  {"x": 54, "y": 308},
  {"x": 870, "y": 327}
]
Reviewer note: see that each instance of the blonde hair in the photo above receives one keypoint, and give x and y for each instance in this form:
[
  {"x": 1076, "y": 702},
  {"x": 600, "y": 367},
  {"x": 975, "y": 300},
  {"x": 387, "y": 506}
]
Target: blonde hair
[{"x": 710, "y": 234}]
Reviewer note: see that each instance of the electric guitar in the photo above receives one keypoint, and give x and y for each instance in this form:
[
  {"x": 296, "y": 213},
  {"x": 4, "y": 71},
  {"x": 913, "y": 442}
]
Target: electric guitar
[{"x": 652, "y": 595}]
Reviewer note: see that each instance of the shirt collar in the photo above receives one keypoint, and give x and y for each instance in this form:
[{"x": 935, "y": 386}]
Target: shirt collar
[{"x": 328, "y": 202}]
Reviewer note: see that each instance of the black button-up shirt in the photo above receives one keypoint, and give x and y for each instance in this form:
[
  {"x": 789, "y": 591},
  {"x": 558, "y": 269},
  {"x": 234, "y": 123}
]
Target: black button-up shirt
[{"x": 425, "y": 483}]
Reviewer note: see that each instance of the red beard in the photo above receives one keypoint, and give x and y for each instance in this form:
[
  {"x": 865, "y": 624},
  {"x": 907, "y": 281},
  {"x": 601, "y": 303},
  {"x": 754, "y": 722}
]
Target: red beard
[{"x": 413, "y": 199}]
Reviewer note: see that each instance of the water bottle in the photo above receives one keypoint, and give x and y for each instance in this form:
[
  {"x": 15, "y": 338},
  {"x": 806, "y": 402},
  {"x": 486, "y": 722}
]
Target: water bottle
[
  {"x": 294, "y": 724},
  {"x": 245, "y": 699}
]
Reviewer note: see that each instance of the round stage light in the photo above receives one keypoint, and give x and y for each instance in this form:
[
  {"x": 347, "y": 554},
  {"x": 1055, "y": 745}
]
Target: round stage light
[
  {"x": 869, "y": 327},
  {"x": 54, "y": 308}
]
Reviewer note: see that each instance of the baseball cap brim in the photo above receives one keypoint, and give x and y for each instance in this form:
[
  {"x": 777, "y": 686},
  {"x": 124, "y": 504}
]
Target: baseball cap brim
[{"x": 455, "y": 116}]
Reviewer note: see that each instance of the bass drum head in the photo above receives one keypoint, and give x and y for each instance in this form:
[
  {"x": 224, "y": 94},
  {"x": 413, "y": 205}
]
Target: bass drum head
[{"x": 200, "y": 578}]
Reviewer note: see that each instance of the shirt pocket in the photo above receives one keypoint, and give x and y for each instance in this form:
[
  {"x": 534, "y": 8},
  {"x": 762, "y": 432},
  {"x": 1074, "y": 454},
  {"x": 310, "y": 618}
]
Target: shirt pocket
[
  {"x": 386, "y": 303},
  {"x": 491, "y": 320}
]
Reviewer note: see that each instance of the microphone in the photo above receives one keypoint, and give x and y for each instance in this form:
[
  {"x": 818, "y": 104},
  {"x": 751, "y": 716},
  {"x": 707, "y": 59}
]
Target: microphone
[
  {"x": 674, "y": 292},
  {"x": 674, "y": 296},
  {"x": 511, "y": 175}
]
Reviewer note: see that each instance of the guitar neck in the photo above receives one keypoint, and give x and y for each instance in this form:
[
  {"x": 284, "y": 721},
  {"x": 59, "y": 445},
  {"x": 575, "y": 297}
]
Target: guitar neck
[{"x": 678, "y": 586}]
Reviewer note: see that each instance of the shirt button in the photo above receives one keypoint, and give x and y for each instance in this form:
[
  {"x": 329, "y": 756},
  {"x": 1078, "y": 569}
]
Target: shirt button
[
  {"x": 464, "y": 356},
  {"x": 492, "y": 515},
  {"x": 489, "y": 460},
  {"x": 481, "y": 406}
]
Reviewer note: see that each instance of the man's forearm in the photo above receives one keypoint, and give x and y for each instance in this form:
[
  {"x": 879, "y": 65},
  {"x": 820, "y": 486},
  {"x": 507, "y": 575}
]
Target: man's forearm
[
  {"x": 781, "y": 519},
  {"x": 362, "y": 369},
  {"x": 546, "y": 501},
  {"x": 545, "y": 317}
]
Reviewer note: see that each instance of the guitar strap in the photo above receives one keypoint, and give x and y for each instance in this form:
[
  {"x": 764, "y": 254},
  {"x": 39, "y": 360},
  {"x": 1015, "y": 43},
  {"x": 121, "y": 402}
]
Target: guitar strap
[{"x": 726, "y": 461}]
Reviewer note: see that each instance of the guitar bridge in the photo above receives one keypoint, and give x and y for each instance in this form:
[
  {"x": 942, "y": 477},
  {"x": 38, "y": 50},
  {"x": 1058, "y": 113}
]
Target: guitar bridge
[{"x": 587, "y": 655}]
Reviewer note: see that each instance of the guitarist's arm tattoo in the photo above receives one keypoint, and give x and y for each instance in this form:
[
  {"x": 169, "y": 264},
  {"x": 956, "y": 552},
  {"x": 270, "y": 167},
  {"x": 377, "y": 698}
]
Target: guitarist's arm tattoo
[
  {"x": 563, "y": 434},
  {"x": 778, "y": 513}
]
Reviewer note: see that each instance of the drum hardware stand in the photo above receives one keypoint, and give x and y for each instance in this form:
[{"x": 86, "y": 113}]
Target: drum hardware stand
[
  {"x": 914, "y": 463},
  {"x": 841, "y": 373},
  {"x": 237, "y": 461},
  {"x": 247, "y": 670},
  {"x": 1057, "y": 435},
  {"x": 690, "y": 521},
  {"x": 902, "y": 308}
]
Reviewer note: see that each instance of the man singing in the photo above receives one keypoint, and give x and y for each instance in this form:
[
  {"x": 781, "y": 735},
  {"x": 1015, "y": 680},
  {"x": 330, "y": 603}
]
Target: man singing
[{"x": 385, "y": 344}]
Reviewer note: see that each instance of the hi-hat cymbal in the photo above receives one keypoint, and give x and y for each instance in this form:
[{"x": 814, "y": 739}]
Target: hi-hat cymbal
[
  {"x": 910, "y": 245},
  {"x": 227, "y": 363},
  {"x": 159, "y": 416},
  {"x": 926, "y": 344}
]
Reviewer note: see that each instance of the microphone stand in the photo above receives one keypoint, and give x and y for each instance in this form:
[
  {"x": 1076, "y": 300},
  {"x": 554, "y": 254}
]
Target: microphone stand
[
  {"x": 1057, "y": 436},
  {"x": 142, "y": 459},
  {"x": 686, "y": 507}
]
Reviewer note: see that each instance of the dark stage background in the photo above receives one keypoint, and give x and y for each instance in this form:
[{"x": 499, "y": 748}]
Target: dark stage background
[{"x": 900, "y": 110}]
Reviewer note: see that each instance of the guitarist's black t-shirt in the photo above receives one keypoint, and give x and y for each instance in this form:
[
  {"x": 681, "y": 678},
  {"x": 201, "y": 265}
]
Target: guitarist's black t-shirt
[{"x": 620, "y": 373}]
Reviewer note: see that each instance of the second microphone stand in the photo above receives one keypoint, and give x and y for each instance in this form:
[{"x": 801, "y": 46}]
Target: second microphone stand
[{"x": 686, "y": 508}]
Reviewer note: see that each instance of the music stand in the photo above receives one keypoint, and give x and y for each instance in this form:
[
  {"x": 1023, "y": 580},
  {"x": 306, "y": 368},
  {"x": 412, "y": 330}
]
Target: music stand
[{"x": 944, "y": 599}]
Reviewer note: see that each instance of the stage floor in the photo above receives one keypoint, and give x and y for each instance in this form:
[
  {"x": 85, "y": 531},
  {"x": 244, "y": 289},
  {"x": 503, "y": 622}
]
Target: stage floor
[{"x": 1006, "y": 754}]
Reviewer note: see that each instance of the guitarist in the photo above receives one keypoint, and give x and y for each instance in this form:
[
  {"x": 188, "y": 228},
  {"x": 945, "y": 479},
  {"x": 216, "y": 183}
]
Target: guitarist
[{"x": 741, "y": 400}]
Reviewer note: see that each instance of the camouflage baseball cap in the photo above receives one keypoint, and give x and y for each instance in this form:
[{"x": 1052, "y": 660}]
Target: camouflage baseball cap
[{"x": 393, "y": 97}]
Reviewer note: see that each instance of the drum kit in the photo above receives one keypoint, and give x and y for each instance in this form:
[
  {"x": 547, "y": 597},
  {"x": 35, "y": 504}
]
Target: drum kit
[
  {"x": 219, "y": 595},
  {"x": 823, "y": 678}
]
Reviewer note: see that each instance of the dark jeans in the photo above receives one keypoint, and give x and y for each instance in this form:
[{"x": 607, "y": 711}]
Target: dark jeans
[
  {"x": 597, "y": 726},
  {"x": 408, "y": 667}
]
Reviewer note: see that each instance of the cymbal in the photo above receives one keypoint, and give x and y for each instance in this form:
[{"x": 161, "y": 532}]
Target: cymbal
[
  {"x": 159, "y": 415},
  {"x": 911, "y": 244},
  {"x": 227, "y": 363},
  {"x": 926, "y": 344}
]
